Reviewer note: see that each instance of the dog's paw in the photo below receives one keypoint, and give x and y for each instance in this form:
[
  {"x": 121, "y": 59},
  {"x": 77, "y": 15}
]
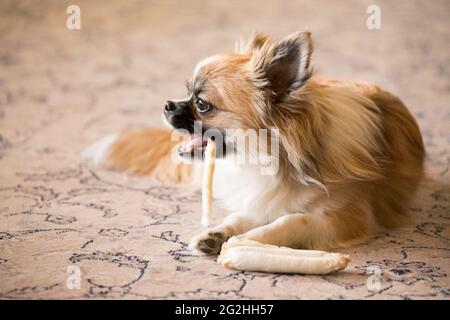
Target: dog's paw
[{"x": 209, "y": 242}]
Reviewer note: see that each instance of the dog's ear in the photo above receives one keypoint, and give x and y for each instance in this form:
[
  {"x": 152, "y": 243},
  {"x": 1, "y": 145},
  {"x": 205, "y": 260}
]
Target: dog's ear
[{"x": 285, "y": 65}]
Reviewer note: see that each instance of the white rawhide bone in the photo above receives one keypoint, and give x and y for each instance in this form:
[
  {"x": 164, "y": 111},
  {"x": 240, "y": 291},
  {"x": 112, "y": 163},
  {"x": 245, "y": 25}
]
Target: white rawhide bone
[
  {"x": 208, "y": 173},
  {"x": 249, "y": 255}
]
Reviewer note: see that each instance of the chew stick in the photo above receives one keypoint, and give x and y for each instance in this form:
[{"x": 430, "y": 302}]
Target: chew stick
[
  {"x": 208, "y": 172},
  {"x": 248, "y": 255}
]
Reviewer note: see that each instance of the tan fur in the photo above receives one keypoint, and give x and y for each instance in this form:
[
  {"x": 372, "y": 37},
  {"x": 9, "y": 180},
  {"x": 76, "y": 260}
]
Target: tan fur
[{"x": 352, "y": 148}]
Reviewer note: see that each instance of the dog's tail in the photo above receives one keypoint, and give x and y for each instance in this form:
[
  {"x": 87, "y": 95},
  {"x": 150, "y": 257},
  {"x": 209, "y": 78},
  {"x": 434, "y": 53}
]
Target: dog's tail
[{"x": 141, "y": 152}]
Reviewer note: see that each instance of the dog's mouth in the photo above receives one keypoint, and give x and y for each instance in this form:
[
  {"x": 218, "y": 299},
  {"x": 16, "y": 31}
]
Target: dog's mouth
[{"x": 193, "y": 146}]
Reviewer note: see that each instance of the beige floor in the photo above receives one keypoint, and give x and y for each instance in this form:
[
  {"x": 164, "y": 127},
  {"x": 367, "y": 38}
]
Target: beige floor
[{"x": 61, "y": 89}]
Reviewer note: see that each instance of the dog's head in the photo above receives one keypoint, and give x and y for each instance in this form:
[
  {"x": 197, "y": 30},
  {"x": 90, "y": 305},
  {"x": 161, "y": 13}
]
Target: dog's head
[{"x": 240, "y": 90}]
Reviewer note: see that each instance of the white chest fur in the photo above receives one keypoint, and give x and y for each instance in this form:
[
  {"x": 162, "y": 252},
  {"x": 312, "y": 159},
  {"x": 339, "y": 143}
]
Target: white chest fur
[{"x": 244, "y": 189}]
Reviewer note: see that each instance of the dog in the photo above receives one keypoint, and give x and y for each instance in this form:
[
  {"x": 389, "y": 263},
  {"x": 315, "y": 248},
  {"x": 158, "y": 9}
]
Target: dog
[{"x": 349, "y": 155}]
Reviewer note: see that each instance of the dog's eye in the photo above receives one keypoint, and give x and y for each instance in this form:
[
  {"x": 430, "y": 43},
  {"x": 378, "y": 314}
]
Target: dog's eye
[{"x": 201, "y": 105}]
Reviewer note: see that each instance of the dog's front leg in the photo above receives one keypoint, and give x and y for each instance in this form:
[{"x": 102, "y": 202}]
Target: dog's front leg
[
  {"x": 210, "y": 241},
  {"x": 314, "y": 231}
]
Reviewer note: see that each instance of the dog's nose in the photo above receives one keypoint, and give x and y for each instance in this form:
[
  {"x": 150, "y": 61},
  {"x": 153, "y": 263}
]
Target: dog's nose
[{"x": 170, "y": 106}]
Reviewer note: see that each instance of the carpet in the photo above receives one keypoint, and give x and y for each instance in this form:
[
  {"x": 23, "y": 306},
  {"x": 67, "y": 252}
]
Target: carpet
[{"x": 69, "y": 230}]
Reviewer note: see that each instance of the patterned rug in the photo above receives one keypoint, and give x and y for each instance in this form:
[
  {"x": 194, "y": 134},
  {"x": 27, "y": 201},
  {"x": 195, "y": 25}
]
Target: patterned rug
[{"x": 71, "y": 231}]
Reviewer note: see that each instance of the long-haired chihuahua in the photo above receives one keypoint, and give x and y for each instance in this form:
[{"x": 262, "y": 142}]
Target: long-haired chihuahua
[{"x": 349, "y": 155}]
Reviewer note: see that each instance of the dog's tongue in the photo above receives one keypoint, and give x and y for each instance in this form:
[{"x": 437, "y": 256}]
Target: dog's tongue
[{"x": 194, "y": 141}]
